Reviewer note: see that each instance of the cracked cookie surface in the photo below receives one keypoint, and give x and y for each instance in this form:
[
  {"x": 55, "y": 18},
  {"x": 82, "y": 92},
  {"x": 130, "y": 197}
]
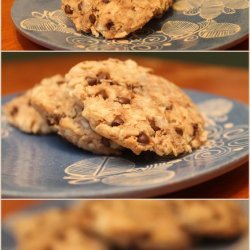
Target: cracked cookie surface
[
  {"x": 113, "y": 18},
  {"x": 129, "y": 105},
  {"x": 20, "y": 113},
  {"x": 63, "y": 112}
]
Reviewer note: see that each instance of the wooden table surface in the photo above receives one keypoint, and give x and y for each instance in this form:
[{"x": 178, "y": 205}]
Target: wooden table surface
[
  {"x": 12, "y": 206},
  {"x": 12, "y": 40},
  {"x": 231, "y": 82}
]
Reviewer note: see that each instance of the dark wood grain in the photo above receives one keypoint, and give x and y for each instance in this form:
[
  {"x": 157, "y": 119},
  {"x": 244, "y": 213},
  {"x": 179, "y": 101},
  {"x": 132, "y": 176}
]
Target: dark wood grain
[{"x": 229, "y": 82}]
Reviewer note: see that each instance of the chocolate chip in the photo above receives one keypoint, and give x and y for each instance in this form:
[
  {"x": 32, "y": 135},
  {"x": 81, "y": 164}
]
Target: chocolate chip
[
  {"x": 109, "y": 25},
  {"x": 117, "y": 122},
  {"x": 14, "y": 111},
  {"x": 195, "y": 129},
  {"x": 60, "y": 82},
  {"x": 103, "y": 76},
  {"x": 143, "y": 138},
  {"x": 105, "y": 142},
  {"x": 68, "y": 10},
  {"x": 105, "y": 1},
  {"x": 80, "y": 6},
  {"x": 153, "y": 125},
  {"x": 179, "y": 131},
  {"x": 123, "y": 100},
  {"x": 60, "y": 236},
  {"x": 48, "y": 248},
  {"x": 92, "y": 18},
  {"x": 103, "y": 94},
  {"x": 114, "y": 83},
  {"x": 54, "y": 120},
  {"x": 91, "y": 81},
  {"x": 170, "y": 107}
]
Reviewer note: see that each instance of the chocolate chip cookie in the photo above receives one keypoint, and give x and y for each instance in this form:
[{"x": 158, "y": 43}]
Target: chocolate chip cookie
[
  {"x": 136, "y": 109},
  {"x": 113, "y": 18},
  {"x": 63, "y": 112},
  {"x": 55, "y": 229},
  {"x": 131, "y": 224},
  {"x": 211, "y": 219},
  {"x": 134, "y": 224},
  {"x": 22, "y": 115}
]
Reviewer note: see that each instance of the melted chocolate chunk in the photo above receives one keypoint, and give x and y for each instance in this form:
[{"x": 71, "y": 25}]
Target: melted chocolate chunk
[
  {"x": 105, "y": 1},
  {"x": 170, "y": 107},
  {"x": 103, "y": 76},
  {"x": 91, "y": 81},
  {"x": 179, "y": 131},
  {"x": 92, "y": 18},
  {"x": 68, "y": 10},
  {"x": 60, "y": 82},
  {"x": 80, "y": 6},
  {"x": 123, "y": 100},
  {"x": 54, "y": 120},
  {"x": 143, "y": 138},
  {"x": 109, "y": 25},
  {"x": 114, "y": 83},
  {"x": 14, "y": 111},
  {"x": 103, "y": 94},
  {"x": 195, "y": 129},
  {"x": 117, "y": 122},
  {"x": 153, "y": 125}
]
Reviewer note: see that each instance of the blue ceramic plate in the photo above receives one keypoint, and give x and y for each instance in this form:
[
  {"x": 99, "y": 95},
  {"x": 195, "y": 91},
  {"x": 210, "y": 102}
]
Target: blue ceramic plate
[
  {"x": 48, "y": 166},
  {"x": 10, "y": 244},
  {"x": 191, "y": 25}
]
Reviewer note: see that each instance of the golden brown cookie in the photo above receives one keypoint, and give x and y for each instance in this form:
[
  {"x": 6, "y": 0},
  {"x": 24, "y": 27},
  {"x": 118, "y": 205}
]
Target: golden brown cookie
[{"x": 113, "y": 18}]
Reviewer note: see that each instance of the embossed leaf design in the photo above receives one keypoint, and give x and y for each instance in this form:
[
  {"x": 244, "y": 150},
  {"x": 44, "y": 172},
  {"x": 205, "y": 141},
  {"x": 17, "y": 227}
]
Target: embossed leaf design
[
  {"x": 216, "y": 107},
  {"x": 218, "y": 30},
  {"x": 115, "y": 165},
  {"x": 144, "y": 178},
  {"x": 59, "y": 17},
  {"x": 204, "y": 24},
  {"x": 236, "y": 4},
  {"x": 98, "y": 167},
  {"x": 182, "y": 5},
  {"x": 88, "y": 167},
  {"x": 229, "y": 11},
  {"x": 192, "y": 12},
  {"x": 211, "y": 9},
  {"x": 48, "y": 21},
  {"x": 178, "y": 29},
  {"x": 38, "y": 24}
]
